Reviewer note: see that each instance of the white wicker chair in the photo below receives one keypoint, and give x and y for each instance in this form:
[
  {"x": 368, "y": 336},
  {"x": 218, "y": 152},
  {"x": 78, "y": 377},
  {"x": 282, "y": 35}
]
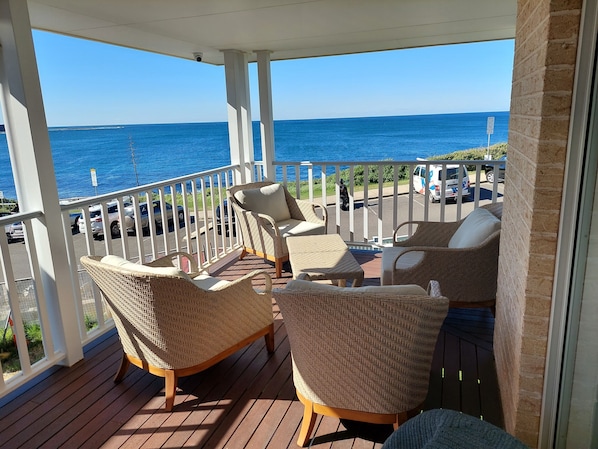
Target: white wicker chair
[
  {"x": 266, "y": 213},
  {"x": 171, "y": 325},
  {"x": 362, "y": 354}
]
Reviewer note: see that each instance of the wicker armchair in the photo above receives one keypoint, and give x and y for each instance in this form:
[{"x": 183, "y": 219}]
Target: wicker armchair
[
  {"x": 267, "y": 214},
  {"x": 172, "y": 325},
  {"x": 461, "y": 255},
  {"x": 362, "y": 354}
]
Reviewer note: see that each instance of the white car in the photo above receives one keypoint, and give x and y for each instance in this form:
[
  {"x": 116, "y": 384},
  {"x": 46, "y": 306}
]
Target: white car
[
  {"x": 14, "y": 232},
  {"x": 96, "y": 219},
  {"x": 433, "y": 179}
]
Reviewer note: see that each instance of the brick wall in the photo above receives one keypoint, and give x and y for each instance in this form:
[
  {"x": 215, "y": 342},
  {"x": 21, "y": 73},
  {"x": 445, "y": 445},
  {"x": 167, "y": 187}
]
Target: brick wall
[{"x": 543, "y": 72}]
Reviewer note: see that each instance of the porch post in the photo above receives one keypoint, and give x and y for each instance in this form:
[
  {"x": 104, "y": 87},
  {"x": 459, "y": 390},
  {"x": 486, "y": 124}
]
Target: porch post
[
  {"x": 33, "y": 171},
  {"x": 239, "y": 113},
  {"x": 266, "y": 113}
]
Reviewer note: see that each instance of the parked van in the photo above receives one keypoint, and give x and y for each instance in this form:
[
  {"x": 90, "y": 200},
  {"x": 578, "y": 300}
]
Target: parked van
[{"x": 432, "y": 175}]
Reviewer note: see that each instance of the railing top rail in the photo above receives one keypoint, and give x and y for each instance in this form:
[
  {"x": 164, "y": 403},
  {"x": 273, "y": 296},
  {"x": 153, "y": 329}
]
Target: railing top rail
[
  {"x": 19, "y": 216},
  {"x": 79, "y": 203},
  {"x": 390, "y": 162}
]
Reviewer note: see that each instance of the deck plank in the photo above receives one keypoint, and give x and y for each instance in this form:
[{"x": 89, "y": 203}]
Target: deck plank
[{"x": 246, "y": 401}]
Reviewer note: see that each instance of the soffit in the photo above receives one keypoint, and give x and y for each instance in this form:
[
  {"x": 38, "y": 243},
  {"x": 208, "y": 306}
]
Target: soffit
[{"x": 290, "y": 29}]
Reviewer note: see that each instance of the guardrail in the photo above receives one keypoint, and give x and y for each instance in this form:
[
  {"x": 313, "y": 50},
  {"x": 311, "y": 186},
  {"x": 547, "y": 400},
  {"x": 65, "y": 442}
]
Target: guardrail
[{"x": 366, "y": 216}]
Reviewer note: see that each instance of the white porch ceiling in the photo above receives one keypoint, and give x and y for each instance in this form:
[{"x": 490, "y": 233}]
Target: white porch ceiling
[{"x": 290, "y": 29}]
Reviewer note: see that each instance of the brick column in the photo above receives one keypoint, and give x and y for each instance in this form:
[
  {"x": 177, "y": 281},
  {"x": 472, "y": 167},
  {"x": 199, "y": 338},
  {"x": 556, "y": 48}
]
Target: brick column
[{"x": 543, "y": 73}]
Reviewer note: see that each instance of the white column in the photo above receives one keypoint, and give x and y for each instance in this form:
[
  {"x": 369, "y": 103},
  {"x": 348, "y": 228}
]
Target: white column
[
  {"x": 33, "y": 170},
  {"x": 266, "y": 113},
  {"x": 239, "y": 113}
]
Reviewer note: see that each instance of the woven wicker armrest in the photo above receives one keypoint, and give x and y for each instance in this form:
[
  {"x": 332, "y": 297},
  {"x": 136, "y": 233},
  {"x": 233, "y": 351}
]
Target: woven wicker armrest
[
  {"x": 307, "y": 210},
  {"x": 254, "y": 274},
  {"x": 168, "y": 261},
  {"x": 263, "y": 217},
  {"x": 257, "y": 220},
  {"x": 427, "y": 233}
]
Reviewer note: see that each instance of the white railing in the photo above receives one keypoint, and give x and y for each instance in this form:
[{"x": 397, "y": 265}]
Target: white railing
[
  {"x": 190, "y": 225},
  {"x": 375, "y": 208},
  {"x": 23, "y": 307}
]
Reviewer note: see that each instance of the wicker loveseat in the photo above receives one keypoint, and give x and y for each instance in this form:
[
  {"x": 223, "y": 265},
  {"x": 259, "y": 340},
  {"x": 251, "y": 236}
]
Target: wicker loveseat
[
  {"x": 172, "y": 325},
  {"x": 462, "y": 256},
  {"x": 267, "y": 214},
  {"x": 362, "y": 354}
]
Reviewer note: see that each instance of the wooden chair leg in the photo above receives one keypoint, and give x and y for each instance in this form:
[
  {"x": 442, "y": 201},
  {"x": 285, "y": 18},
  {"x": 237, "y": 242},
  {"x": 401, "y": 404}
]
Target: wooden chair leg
[
  {"x": 270, "y": 339},
  {"x": 170, "y": 380},
  {"x": 122, "y": 370},
  {"x": 278, "y": 266},
  {"x": 307, "y": 425},
  {"x": 243, "y": 254}
]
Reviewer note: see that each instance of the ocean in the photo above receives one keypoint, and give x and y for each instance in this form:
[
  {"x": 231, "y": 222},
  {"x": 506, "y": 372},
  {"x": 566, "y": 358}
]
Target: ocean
[{"x": 163, "y": 151}]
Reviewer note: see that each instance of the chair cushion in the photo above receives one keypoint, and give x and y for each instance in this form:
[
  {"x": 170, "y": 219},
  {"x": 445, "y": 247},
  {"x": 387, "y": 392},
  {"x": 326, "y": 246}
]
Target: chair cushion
[
  {"x": 161, "y": 271},
  {"x": 206, "y": 282},
  {"x": 410, "y": 289},
  {"x": 476, "y": 228},
  {"x": 269, "y": 200},
  {"x": 389, "y": 254},
  {"x": 292, "y": 227}
]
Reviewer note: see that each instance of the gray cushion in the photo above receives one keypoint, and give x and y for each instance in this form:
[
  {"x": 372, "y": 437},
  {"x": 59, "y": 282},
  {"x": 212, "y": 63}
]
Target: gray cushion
[
  {"x": 206, "y": 282},
  {"x": 294, "y": 227},
  {"x": 476, "y": 228},
  {"x": 449, "y": 429},
  {"x": 268, "y": 200},
  {"x": 389, "y": 253}
]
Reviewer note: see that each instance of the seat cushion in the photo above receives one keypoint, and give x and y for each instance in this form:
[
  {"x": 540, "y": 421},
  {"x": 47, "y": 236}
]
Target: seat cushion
[
  {"x": 160, "y": 271},
  {"x": 411, "y": 289},
  {"x": 390, "y": 253},
  {"x": 476, "y": 228},
  {"x": 292, "y": 227},
  {"x": 206, "y": 282},
  {"x": 268, "y": 200}
]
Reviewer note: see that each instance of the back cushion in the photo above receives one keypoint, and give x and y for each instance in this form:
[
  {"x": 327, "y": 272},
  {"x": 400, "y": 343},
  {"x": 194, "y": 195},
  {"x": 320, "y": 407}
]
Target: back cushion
[
  {"x": 476, "y": 228},
  {"x": 268, "y": 200},
  {"x": 123, "y": 263}
]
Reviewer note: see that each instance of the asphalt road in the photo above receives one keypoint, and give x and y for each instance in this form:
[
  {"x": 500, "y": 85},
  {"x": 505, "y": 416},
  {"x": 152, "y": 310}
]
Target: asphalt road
[{"x": 339, "y": 223}]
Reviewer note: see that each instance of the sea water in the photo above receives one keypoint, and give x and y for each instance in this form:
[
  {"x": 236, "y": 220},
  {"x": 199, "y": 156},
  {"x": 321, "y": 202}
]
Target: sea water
[{"x": 130, "y": 155}]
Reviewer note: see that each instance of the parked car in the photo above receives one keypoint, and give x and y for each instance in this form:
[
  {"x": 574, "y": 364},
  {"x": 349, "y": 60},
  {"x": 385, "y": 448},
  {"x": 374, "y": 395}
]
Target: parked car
[
  {"x": 433, "y": 179},
  {"x": 129, "y": 224},
  {"x": 490, "y": 169},
  {"x": 96, "y": 219},
  {"x": 14, "y": 232}
]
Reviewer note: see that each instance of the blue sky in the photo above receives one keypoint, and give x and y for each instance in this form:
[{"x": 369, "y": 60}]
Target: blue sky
[{"x": 89, "y": 83}]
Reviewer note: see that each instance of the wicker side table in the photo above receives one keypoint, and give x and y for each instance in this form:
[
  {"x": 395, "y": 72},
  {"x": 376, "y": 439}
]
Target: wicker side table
[{"x": 324, "y": 257}]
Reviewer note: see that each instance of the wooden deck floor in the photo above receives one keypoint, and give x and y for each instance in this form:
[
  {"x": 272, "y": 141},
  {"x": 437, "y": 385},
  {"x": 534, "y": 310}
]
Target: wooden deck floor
[{"x": 245, "y": 401}]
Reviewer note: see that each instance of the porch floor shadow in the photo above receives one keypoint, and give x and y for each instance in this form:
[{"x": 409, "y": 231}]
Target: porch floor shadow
[{"x": 245, "y": 401}]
